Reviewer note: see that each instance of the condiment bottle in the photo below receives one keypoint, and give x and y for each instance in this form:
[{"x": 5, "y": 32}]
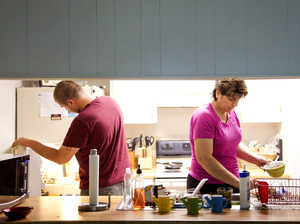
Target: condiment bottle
[
  {"x": 139, "y": 192},
  {"x": 128, "y": 202},
  {"x": 244, "y": 189}
]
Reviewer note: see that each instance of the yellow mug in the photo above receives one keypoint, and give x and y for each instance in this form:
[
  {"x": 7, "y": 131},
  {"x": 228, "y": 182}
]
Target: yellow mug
[{"x": 164, "y": 203}]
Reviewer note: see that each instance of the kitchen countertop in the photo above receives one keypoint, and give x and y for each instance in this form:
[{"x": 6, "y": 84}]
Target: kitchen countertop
[
  {"x": 254, "y": 173},
  {"x": 65, "y": 210}
]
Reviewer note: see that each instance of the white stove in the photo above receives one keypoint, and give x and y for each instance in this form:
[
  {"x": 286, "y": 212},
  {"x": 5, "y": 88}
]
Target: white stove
[
  {"x": 172, "y": 164},
  {"x": 166, "y": 173}
]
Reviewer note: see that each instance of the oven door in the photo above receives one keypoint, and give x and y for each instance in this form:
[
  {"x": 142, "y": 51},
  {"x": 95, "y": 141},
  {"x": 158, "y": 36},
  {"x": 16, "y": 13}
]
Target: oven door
[{"x": 178, "y": 184}]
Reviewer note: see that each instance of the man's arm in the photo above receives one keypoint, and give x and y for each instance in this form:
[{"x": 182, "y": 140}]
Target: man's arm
[{"x": 60, "y": 156}]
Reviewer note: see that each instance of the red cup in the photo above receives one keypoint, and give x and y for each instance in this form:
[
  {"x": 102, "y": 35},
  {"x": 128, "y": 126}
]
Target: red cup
[{"x": 263, "y": 190}]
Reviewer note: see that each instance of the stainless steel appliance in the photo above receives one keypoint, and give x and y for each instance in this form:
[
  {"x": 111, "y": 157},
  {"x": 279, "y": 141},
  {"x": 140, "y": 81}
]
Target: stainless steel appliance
[
  {"x": 173, "y": 163},
  {"x": 13, "y": 179}
]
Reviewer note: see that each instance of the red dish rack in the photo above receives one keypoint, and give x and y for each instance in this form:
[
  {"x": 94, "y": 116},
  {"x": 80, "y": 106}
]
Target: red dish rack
[{"x": 280, "y": 191}]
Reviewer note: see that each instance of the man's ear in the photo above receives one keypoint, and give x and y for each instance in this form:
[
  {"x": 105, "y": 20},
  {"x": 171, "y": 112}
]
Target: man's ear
[{"x": 70, "y": 102}]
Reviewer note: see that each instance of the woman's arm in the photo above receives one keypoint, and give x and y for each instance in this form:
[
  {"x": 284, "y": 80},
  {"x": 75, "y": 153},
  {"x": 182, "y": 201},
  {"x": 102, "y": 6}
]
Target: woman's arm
[
  {"x": 245, "y": 154},
  {"x": 204, "y": 151}
]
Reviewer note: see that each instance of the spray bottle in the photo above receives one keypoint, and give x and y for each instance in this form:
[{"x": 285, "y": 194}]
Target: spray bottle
[{"x": 128, "y": 202}]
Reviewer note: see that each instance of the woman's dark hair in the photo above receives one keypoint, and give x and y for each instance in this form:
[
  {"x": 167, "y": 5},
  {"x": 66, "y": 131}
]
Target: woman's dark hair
[{"x": 229, "y": 87}]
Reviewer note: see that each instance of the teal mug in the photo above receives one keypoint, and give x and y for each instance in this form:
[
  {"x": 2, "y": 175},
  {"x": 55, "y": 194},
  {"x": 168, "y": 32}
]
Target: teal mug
[{"x": 216, "y": 203}]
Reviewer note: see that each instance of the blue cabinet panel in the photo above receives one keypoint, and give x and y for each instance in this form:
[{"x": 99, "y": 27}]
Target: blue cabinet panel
[
  {"x": 48, "y": 38},
  {"x": 83, "y": 38},
  {"x": 178, "y": 37},
  {"x": 13, "y": 38},
  {"x": 267, "y": 48},
  {"x": 106, "y": 38}
]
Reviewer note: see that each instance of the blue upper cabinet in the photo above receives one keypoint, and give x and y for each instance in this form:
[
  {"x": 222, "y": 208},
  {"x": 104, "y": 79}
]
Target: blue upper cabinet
[
  {"x": 48, "y": 38},
  {"x": 149, "y": 38},
  {"x": 230, "y": 37},
  {"x": 267, "y": 37},
  {"x": 178, "y": 38},
  {"x": 205, "y": 45},
  {"x": 294, "y": 36},
  {"x": 106, "y": 38},
  {"x": 13, "y": 39},
  {"x": 83, "y": 38},
  {"x": 127, "y": 37}
]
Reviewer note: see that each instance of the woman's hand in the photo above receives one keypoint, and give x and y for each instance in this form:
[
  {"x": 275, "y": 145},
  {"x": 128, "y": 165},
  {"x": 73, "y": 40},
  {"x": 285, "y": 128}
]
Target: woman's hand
[
  {"x": 252, "y": 184},
  {"x": 261, "y": 161}
]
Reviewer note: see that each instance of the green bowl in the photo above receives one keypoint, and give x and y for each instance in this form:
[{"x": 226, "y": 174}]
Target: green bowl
[{"x": 275, "y": 169}]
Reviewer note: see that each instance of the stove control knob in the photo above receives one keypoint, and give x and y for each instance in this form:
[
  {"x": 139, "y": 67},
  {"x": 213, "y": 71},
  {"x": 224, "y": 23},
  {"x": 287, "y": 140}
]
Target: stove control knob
[
  {"x": 171, "y": 146},
  {"x": 163, "y": 146}
]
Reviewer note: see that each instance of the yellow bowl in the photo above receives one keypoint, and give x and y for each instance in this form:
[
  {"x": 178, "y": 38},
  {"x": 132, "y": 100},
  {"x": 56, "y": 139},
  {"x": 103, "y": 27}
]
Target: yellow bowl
[{"x": 275, "y": 169}]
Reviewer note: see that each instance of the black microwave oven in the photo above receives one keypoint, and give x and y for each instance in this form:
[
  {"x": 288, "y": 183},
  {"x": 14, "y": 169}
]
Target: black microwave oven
[{"x": 13, "y": 179}]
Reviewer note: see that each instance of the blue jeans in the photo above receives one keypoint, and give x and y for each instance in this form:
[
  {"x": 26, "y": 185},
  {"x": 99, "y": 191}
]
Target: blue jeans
[{"x": 116, "y": 189}]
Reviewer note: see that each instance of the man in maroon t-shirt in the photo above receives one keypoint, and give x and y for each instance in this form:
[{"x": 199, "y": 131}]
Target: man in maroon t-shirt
[{"x": 99, "y": 125}]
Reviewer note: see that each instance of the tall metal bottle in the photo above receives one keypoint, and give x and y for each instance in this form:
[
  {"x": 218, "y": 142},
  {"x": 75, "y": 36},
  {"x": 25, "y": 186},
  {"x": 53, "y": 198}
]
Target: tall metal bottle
[{"x": 244, "y": 189}]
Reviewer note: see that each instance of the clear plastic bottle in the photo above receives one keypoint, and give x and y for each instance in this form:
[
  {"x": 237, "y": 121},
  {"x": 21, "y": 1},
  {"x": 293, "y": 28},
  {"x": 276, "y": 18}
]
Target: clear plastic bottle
[
  {"x": 139, "y": 192},
  {"x": 128, "y": 202},
  {"x": 244, "y": 189}
]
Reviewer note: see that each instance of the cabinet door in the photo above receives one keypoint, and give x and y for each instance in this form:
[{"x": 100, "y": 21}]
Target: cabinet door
[
  {"x": 106, "y": 37},
  {"x": 48, "y": 38},
  {"x": 136, "y": 99},
  {"x": 230, "y": 37},
  {"x": 205, "y": 37},
  {"x": 178, "y": 37},
  {"x": 127, "y": 14},
  {"x": 267, "y": 37},
  {"x": 13, "y": 41},
  {"x": 83, "y": 38},
  {"x": 150, "y": 37},
  {"x": 258, "y": 106},
  {"x": 294, "y": 34}
]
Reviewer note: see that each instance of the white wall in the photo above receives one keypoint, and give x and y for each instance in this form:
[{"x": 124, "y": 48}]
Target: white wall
[
  {"x": 290, "y": 126},
  {"x": 7, "y": 113}
]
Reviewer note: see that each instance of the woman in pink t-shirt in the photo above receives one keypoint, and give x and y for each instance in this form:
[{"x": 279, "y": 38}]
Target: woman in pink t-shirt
[{"x": 215, "y": 136}]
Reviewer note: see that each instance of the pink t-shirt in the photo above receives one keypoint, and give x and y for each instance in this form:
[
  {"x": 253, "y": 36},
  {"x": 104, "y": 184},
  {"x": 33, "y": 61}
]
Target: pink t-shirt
[
  {"x": 205, "y": 123},
  {"x": 100, "y": 126}
]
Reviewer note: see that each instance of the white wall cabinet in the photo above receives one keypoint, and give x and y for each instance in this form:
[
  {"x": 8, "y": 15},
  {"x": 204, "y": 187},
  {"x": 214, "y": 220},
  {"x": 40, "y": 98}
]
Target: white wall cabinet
[
  {"x": 137, "y": 100},
  {"x": 183, "y": 93},
  {"x": 263, "y": 102}
]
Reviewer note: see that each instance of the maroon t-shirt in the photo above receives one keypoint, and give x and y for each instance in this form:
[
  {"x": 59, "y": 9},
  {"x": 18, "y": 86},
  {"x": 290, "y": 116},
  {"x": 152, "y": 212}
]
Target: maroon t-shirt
[{"x": 100, "y": 126}]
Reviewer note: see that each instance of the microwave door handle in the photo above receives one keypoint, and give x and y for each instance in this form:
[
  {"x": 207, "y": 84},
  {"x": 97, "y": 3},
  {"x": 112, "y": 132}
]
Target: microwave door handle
[
  {"x": 17, "y": 177},
  {"x": 21, "y": 166}
]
